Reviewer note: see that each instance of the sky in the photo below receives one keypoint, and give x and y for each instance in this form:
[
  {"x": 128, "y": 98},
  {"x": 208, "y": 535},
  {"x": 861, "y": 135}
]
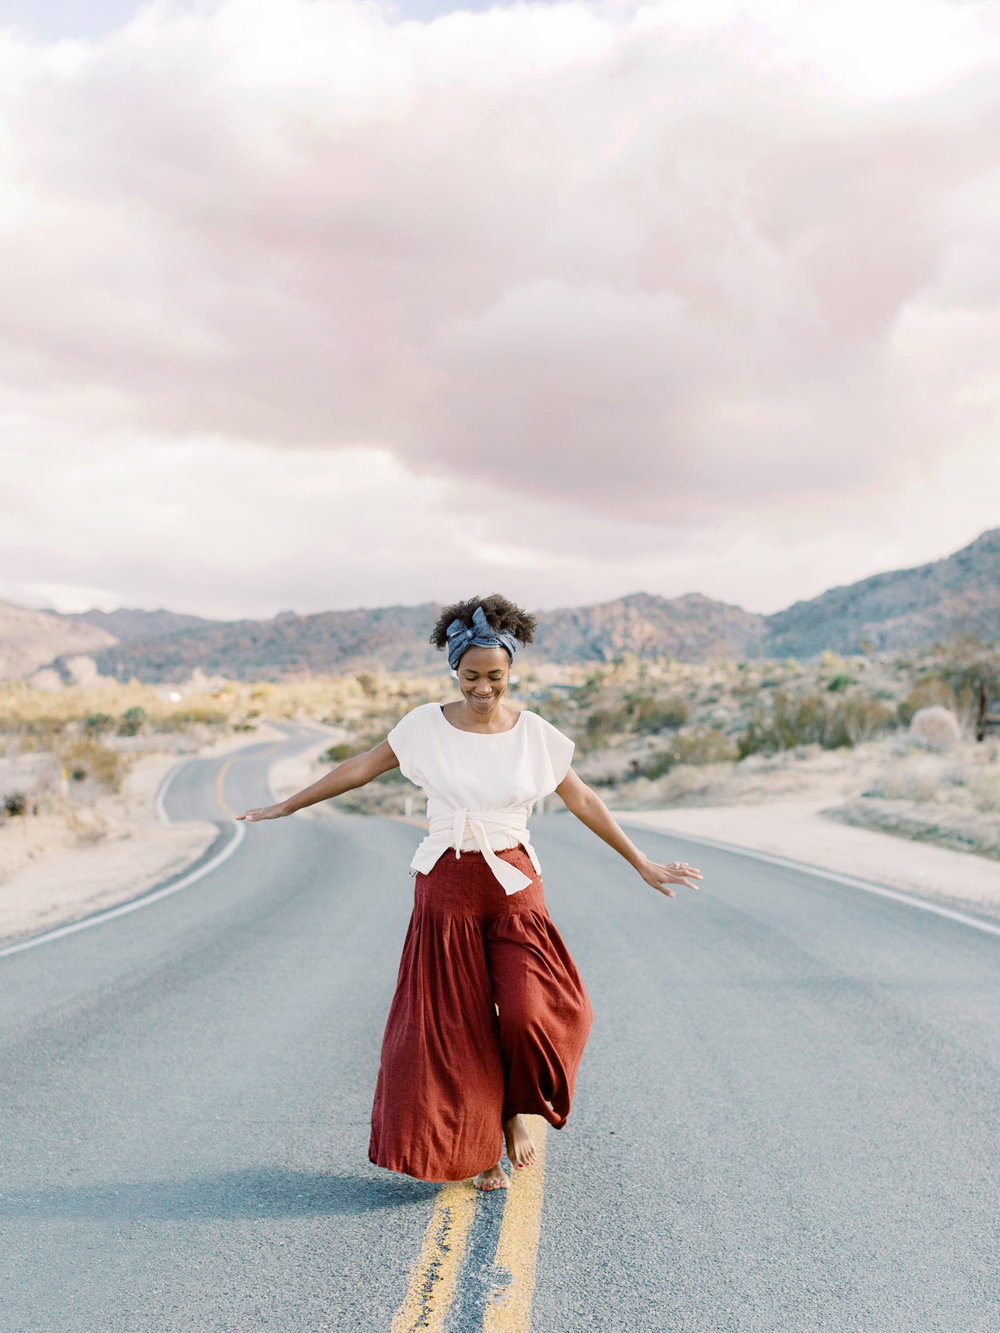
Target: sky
[{"x": 311, "y": 304}]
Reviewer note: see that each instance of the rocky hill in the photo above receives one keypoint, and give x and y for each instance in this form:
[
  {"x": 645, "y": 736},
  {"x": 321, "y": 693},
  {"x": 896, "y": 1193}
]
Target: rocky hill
[
  {"x": 129, "y": 622},
  {"x": 692, "y": 628},
  {"x": 904, "y": 609},
  {"x": 30, "y": 639},
  {"x": 393, "y": 638}
]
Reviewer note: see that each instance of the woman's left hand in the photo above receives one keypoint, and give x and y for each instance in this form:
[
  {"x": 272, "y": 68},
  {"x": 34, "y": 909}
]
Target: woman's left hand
[{"x": 661, "y": 877}]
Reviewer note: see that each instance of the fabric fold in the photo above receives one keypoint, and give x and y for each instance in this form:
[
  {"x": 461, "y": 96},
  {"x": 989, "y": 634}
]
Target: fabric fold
[
  {"x": 489, "y": 1020},
  {"x": 457, "y": 826}
]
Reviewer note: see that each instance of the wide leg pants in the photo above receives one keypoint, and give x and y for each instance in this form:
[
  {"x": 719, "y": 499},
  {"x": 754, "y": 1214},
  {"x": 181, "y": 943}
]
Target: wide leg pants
[{"x": 489, "y": 1019}]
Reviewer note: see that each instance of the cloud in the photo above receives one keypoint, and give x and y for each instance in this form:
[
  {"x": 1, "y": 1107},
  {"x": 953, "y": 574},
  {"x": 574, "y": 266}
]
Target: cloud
[
  {"x": 631, "y": 270},
  {"x": 228, "y": 528}
]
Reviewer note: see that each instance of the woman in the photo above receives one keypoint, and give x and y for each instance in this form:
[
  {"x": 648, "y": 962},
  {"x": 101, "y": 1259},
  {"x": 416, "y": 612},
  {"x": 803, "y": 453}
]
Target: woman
[{"x": 490, "y": 1018}]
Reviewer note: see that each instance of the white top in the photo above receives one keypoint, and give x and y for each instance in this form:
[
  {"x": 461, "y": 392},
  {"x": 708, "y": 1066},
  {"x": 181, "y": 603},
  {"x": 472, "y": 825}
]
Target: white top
[{"x": 480, "y": 786}]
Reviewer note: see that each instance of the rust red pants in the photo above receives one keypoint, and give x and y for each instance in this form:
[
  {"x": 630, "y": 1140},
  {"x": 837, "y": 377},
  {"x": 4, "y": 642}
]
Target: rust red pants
[{"x": 453, "y": 1067}]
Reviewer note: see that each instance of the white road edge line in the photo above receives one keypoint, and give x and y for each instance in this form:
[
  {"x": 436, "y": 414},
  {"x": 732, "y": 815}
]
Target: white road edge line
[
  {"x": 820, "y": 873},
  {"x": 135, "y": 904},
  {"x": 161, "y": 808}
]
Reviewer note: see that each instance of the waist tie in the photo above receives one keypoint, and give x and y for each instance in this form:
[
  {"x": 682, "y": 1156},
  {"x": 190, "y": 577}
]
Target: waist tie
[{"x": 479, "y": 824}]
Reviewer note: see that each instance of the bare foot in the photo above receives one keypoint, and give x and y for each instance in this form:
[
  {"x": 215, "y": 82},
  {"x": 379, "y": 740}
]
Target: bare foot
[
  {"x": 520, "y": 1146},
  {"x": 495, "y": 1178}
]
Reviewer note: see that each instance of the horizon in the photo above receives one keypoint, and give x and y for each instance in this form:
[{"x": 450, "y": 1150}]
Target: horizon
[{"x": 431, "y": 601}]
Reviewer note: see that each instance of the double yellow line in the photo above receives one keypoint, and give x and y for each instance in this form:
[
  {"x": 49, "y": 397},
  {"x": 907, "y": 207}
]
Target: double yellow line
[{"x": 434, "y": 1277}]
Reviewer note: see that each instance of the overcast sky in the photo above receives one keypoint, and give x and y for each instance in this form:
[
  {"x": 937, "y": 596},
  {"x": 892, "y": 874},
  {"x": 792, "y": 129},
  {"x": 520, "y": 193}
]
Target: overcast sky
[{"x": 312, "y": 305}]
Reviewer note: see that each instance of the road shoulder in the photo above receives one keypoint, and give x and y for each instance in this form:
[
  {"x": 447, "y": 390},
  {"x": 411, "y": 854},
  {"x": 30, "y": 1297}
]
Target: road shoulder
[
  {"x": 797, "y": 830},
  {"x": 133, "y": 850}
]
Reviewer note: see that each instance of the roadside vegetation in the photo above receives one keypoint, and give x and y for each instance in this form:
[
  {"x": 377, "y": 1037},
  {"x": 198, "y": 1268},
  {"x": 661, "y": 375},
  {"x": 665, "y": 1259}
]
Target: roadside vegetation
[{"x": 649, "y": 734}]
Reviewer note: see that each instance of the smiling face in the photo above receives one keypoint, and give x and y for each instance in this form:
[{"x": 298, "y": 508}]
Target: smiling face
[{"x": 483, "y": 674}]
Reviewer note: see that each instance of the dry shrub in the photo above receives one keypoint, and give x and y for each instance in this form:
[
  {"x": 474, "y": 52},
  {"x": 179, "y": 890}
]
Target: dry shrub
[
  {"x": 984, "y": 788},
  {"x": 95, "y": 724},
  {"x": 183, "y": 719},
  {"x": 916, "y": 778},
  {"x": 649, "y": 714},
  {"x": 925, "y": 694},
  {"x": 840, "y": 682},
  {"x": 938, "y": 728},
  {"x": 132, "y": 721},
  {"x": 601, "y": 726},
  {"x": 814, "y": 719},
  {"x": 704, "y": 745},
  {"x": 336, "y": 754},
  {"x": 88, "y": 758},
  {"x": 855, "y": 720}
]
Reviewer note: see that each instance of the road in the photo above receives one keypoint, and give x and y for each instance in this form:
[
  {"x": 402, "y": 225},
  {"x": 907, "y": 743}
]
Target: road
[{"x": 786, "y": 1118}]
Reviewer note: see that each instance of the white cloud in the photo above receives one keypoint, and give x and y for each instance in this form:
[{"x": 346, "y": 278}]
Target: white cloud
[{"x": 664, "y": 282}]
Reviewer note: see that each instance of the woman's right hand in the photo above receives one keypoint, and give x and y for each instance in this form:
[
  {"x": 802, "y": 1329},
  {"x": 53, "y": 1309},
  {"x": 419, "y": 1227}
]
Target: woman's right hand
[{"x": 264, "y": 812}]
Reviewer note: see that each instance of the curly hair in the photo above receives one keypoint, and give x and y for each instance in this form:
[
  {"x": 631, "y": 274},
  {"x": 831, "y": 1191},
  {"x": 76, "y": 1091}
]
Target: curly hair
[{"x": 499, "y": 611}]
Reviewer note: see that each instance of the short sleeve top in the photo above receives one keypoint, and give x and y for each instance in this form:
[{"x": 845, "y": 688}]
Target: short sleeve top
[{"x": 478, "y": 778}]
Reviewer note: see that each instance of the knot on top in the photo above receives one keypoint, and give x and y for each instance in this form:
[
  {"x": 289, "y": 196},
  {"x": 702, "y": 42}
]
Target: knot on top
[{"x": 479, "y": 634}]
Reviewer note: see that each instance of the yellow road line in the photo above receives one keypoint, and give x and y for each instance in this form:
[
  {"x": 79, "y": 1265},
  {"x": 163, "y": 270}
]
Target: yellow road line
[
  {"x": 220, "y": 777},
  {"x": 433, "y": 1277},
  {"x": 221, "y": 801},
  {"x": 508, "y": 1307}
]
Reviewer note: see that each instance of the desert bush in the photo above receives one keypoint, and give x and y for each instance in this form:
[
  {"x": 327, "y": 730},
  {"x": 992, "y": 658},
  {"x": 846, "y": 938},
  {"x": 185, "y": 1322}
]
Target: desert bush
[
  {"x": 35, "y": 733},
  {"x": 95, "y": 724},
  {"x": 937, "y": 727},
  {"x": 840, "y": 682},
  {"x": 794, "y": 720},
  {"x": 704, "y": 745},
  {"x": 182, "y": 719},
  {"x": 967, "y": 665},
  {"x": 813, "y": 719},
  {"x": 369, "y": 684},
  {"x": 336, "y": 754},
  {"x": 913, "y": 778},
  {"x": 856, "y": 720},
  {"x": 929, "y": 692},
  {"x": 985, "y": 790},
  {"x": 649, "y": 714},
  {"x": 132, "y": 721},
  {"x": 594, "y": 685},
  {"x": 602, "y": 724},
  {"x": 15, "y": 803},
  {"x": 88, "y": 758}
]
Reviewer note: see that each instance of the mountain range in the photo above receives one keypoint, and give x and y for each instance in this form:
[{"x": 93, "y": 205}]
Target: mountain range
[{"x": 901, "y": 610}]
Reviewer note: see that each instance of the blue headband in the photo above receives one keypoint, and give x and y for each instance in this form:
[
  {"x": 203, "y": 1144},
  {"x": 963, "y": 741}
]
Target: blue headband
[{"x": 479, "y": 634}]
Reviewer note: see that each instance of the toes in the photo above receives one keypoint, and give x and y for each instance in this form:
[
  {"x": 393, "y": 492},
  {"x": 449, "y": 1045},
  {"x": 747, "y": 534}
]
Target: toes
[{"x": 491, "y": 1182}]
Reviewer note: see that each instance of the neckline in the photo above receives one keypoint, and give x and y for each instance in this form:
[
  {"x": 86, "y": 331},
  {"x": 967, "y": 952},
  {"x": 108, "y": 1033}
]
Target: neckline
[{"x": 462, "y": 731}]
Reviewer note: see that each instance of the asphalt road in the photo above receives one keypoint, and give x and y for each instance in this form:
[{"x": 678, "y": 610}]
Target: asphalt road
[{"x": 786, "y": 1118}]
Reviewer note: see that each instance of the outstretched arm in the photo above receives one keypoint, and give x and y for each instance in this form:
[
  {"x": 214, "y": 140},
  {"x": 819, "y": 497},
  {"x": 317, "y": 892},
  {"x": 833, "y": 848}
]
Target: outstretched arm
[
  {"x": 353, "y": 772},
  {"x": 588, "y": 807}
]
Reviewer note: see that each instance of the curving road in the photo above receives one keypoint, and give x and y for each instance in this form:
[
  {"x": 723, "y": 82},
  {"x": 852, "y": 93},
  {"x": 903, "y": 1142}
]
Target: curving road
[{"x": 786, "y": 1118}]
